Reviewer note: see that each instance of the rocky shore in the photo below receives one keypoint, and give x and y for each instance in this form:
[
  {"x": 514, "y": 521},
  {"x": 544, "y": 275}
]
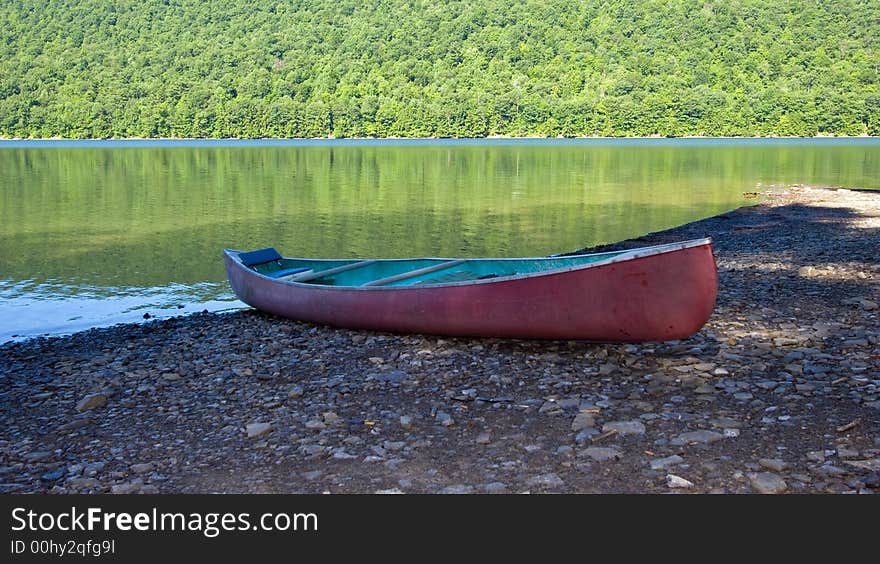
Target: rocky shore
[{"x": 779, "y": 392}]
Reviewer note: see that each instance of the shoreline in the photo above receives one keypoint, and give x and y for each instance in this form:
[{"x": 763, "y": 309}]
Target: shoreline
[{"x": 779, "y": 392}]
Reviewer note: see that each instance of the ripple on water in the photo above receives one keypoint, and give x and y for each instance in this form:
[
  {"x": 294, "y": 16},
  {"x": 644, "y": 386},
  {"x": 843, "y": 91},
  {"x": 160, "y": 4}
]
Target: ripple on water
[{"x": 31, "y": 308}]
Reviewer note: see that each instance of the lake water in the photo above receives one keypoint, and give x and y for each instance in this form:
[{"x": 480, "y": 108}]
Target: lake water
[{"x": 101, "y": 232}]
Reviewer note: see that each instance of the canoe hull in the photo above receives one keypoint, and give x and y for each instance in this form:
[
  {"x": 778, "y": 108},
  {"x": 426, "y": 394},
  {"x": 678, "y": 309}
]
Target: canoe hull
[{"x": 653, "y": 298}]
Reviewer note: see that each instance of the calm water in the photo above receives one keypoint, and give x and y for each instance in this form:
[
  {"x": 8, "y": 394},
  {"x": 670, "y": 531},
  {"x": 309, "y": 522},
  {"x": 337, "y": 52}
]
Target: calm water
[{"x": 96, "y": 233}]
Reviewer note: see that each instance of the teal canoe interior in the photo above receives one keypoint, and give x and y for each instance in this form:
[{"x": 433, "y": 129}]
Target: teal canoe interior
[{"x": 414, "y": 272}]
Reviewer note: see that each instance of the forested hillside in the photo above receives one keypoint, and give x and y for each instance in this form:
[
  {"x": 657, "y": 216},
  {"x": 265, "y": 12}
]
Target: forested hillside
[{"x": 353, "y": 68}]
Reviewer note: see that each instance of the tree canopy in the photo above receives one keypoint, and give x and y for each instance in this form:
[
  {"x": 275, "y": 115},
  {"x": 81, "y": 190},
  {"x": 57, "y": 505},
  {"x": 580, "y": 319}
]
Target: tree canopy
[{"x": 421, "y": 68}]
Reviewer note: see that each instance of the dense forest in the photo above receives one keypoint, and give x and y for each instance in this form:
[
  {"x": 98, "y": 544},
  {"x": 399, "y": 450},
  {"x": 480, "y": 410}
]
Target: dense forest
[{"x": 421, "y": 68}]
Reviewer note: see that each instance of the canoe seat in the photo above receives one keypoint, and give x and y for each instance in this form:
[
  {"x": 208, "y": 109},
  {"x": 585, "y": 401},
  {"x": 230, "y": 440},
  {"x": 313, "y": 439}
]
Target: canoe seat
[
  {"x": 262, "y": 256},
  {"x": 287, "y": 272}
]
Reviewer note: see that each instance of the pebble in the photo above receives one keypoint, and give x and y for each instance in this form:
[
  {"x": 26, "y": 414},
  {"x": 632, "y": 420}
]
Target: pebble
[
  {"x": 81, "y": 483},
  {"x": 313, "y": 450},
  {"x": 768, "y": 483},
  {"x": 143, "y": 468},
  {"x": 394, "y": 377},
  {"x": 568, "y": 404},
  {"x": 585, "y": 435},
  {"x": 625, "y": 427},
  {"x": 831, "y": 470},
  {"x": 341, "y": 454},
  {"x": 457, "y": 489},
  {"x": 394, "y": 445},
  {"x": 495, "y": 487},
  {"x": 775, "y": 464},
  {"x": 127, "y": 487},
  {"x": 697, "y": 437},
  {"x": 257, "y": 429},
  {"x": 445, "y": 419},
  {"x": 392, "y": 491},
  {"x": 664, "y": 463},
  {"x": 674, "y": 481},
  {"x": 601, "y": 454},
  {"x": 93, "y": 468},
  {"x": 582, "y": 421},
  {"x": 56, "y": 474},
  {"x": 550, "y": 480},
  {"x": 91, "y": 401}
]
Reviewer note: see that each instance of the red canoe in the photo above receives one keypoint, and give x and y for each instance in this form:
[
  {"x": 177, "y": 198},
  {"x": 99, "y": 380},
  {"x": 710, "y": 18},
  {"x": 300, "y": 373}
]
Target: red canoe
[{"x": 648, "y": 294}]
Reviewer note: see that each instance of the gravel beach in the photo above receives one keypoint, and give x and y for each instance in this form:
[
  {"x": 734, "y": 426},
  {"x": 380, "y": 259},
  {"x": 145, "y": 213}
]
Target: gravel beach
[{"x": 778, "y": 393}]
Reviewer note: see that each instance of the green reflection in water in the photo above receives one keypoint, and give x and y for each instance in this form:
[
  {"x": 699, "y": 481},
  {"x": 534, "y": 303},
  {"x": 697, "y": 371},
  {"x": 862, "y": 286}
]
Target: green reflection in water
[{"x": 153, "y": 216}]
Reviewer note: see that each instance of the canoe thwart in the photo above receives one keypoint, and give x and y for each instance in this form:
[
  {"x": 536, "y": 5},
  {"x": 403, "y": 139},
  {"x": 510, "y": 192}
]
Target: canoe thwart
[
  {"x": 414, "y": 273},
  {"x": 307, "y": 276}
]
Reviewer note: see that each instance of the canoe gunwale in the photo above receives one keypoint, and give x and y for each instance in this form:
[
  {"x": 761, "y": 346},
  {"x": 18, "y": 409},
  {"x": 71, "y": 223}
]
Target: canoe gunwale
[{"x": 624, "y": 256}]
